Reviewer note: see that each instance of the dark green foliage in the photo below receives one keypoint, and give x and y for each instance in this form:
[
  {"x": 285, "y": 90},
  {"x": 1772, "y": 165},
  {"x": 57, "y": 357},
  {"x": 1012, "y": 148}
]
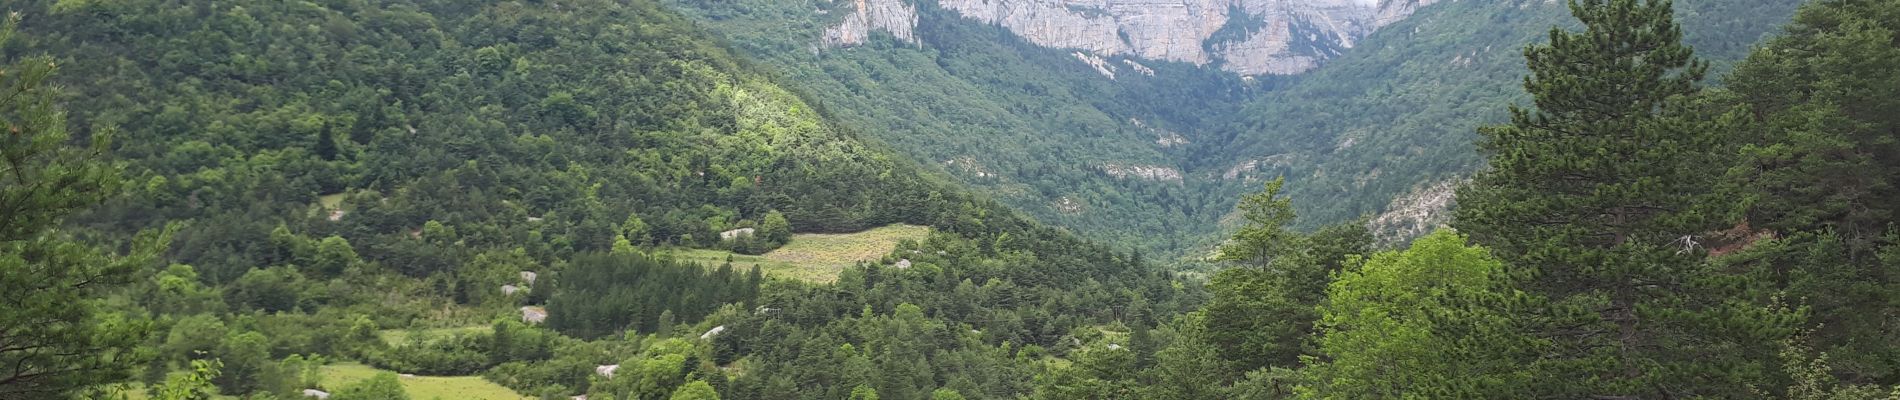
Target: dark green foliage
[
  {"x": 1398, "y": 110},
  {"x": 268, "y": 290},
  {"x": 1820, "y": 174},
  {"x": 1262, "y": 309},
  {"x": 599, "y": 295},
  {"x": 56, "y": 336},
  {"x": 247, "y": 363},
  {"x": 1594, "y": 197}
]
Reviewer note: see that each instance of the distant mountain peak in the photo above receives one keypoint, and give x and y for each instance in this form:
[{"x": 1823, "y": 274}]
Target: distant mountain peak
[{"x": 1247, "y": 37}]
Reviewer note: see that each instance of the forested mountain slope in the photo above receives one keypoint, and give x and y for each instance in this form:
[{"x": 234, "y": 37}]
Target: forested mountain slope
[
  {"x": 333, "y": 169},
  {"x": 260, "y": 199},
  {"x": 1396, "y": 116},
  {"x": 1030, "y": 126},
  {"x": 1156, "y": 161}
]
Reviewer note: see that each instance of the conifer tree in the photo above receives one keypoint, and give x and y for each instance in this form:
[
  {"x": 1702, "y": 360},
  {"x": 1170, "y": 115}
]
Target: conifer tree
[
  {"x": 1820, "y": 177},
  {"x": 326, "y": 143},
  {"x": 55, "y": 337},
  {"x": 1596, "y": 197}
]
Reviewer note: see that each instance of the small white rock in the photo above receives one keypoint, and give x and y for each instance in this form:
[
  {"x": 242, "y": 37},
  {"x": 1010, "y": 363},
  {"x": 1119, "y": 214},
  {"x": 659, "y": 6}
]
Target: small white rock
[{"x": 714, "y": 332}]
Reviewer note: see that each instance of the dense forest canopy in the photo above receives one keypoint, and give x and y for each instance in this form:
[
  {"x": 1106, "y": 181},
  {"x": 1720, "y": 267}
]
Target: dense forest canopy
[{"x": 379, "y": 199}]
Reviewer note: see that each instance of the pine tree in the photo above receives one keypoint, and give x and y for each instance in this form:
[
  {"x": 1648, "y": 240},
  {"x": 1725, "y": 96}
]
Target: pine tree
[
  {"x": 1596, "y": 196},
  {"x": 326, "y": 143},
  {"x": 54, "y": 336},
  {"x": 1265, "y": 235},
  {"x": 1820, "y": 177}
]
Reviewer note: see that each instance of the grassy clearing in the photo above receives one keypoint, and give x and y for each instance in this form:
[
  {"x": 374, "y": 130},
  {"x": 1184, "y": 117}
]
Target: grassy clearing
[
  {"x": 331, "y": 201},
  {"x": 820, "y": 256},
  {"x": 815, "y": 257},
  {"x": 337, "y": 376},
  {"x": 399, "y": 336},
  {"x": 422, "y": 387},
  {"x": 140, "y": 392}
]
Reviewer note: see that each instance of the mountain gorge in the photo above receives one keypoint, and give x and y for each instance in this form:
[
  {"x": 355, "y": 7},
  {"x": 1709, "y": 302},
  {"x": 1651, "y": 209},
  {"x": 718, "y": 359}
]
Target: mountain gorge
[
  {"x": 1139, "y": 122},
  {"x": 1247, "y": 37}
]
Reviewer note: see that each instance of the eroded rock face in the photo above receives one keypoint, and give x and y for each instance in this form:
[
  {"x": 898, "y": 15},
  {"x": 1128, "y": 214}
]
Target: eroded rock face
[
  {"x": 1425, "y": 208},
  {"x": 1249, "y": 37},
  {"x": 1147, "y": 172},
  {"x": 891, "y": 16}
]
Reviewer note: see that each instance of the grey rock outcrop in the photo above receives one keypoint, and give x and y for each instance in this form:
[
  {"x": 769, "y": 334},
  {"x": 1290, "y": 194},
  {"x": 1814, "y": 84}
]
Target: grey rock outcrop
[
  {"x": 890, "y": 16},
  {"x": 1425, "y": 208},
  {"x": 1248, "y": 37}
]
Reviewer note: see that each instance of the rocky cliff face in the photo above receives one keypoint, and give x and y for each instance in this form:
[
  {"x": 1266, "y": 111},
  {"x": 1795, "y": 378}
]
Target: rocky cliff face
[
  {"x": 893, "y": 16},
  {"x": 1248, "y": 37}
]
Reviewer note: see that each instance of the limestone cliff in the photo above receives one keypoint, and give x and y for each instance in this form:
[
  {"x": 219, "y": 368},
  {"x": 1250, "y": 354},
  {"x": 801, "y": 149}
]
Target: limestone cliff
[
  {"x": 1248, "y": 37},
  {"x": 892, "y": 16}
]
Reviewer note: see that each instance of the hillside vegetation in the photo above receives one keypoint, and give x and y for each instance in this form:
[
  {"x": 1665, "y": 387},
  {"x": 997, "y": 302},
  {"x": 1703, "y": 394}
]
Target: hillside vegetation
[
  {"x": 1045, "y": 133},
  {"x": 529, "y": 174},
  {"x": 314, "y": 173}
]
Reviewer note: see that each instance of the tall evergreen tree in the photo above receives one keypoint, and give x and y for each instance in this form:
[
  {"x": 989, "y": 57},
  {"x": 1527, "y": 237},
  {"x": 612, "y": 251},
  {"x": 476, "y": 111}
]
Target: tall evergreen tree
[
  {"x": 55, "y": 339},
  {"x": 1596, "y": 197},
  {"x": 1820, "y": 176},
  {"x": 326, "y": 143}
]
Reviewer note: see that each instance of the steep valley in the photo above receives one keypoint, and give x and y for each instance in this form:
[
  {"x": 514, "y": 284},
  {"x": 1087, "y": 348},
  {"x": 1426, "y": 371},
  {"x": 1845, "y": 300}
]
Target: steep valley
[
  {"x": 949, "y": 199},
  {"x": 1139, "y": 122}
]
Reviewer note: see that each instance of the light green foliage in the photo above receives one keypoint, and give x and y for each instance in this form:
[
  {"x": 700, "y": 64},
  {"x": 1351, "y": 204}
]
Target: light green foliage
[
  {"x": 1098, "y": 372},
  {"x": 622, "y": 246},
  {"x": 775, "y": 228},
  {"x": 248, "y": 367},
  {"x": 342, "y": 376},
  {"x": 193, "y": 384},
  {"x": 301, "y": 372},
  {"x": 635, "y": 230},
  {"x": 177, "y": 291},
  {"x": 863, "y": 393},
  {"x": 695, "y": 390},
  {"x": 382, "y": 386},
  {"x": 1814, "y": 377},
  {"x": 945, "y": 394},
  {"x": 1432, "y": 321},
  {"x": 268, "y": 289},
  {"x": 820, "y": 257},
  {"x": 661, "y": 370},
  {"x": 334, "y": 257}
]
